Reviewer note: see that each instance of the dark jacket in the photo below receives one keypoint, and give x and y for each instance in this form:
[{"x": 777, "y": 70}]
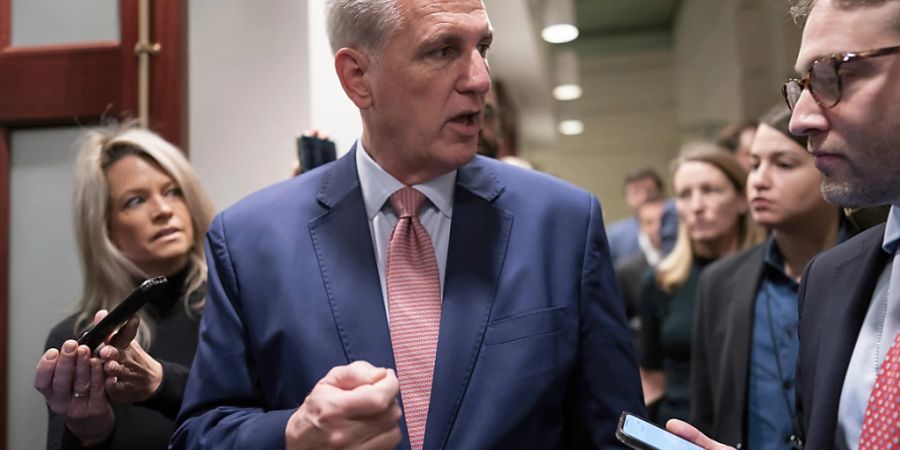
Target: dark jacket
[
  {"x": 720, "y": 357},
  {"x": 834, "y": 298}
]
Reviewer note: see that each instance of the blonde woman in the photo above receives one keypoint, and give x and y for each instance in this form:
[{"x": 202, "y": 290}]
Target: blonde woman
[
  {"x": 714, "y": 222},
  {"x": 139, "y": 212}
]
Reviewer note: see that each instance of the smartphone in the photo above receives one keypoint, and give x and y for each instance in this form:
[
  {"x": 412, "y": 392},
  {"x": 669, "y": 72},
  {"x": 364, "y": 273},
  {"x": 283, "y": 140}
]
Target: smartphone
[
  {"x": 640, "y": 434},
  {"x": 314, "y": 152},
  {"x": 147, "y": 291}
]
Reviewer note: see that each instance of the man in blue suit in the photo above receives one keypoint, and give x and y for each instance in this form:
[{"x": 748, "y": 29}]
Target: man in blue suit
[{"x": 296, "y": 346}]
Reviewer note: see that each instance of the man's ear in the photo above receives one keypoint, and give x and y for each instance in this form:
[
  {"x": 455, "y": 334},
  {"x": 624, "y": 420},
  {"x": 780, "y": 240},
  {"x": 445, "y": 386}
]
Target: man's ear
[{"x": 352, "y": 67}]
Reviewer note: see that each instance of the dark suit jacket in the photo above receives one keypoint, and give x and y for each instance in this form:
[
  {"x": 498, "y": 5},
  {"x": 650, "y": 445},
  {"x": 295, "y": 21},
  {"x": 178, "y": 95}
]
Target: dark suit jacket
[
  {"x": 834, "y": 298},
  {"x": 533, "y": 349},
  {"x": 723, "y": 329}
]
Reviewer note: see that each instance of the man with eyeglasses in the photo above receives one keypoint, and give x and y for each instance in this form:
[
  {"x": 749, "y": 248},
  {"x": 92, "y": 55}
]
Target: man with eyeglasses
[{"x": 848, "y": 103}]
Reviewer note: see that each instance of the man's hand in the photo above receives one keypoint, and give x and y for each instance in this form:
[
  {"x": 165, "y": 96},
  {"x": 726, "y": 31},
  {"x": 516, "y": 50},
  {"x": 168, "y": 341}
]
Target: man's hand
[
  {"x": 353, "y": 406},
  {"x": 687, "y": 431}
]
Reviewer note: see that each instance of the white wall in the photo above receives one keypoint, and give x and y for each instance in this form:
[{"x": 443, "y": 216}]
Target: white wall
[
  {"x": 732, "y": 57},
  {"x": 249, "y": 92},
  {"x": 44, "y": 275},
  {"x": 260, "y": 74}
]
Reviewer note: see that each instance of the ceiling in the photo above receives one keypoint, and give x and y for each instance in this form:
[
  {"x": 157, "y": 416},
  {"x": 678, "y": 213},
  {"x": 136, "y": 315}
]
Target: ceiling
[
  {"x": 600, "y": 18},
  {"x": 522, "y": 60}
]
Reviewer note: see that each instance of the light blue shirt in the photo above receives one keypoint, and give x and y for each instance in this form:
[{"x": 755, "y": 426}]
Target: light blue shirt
[
  {"x": 881, "y": 324},
  {"x": 377, "y": 186}
]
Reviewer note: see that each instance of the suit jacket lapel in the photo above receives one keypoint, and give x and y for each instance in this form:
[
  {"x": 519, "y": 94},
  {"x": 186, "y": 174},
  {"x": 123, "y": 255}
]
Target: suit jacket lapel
[
  {"x": 343, "y": 245},
  {"x": 478, "y": 240},
  {"x": 860, "y": 274},
  {"x": 742, "y": 315}
]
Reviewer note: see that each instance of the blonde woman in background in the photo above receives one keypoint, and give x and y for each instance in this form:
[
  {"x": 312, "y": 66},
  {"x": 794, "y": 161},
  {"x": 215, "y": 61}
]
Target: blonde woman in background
[
  {"x": 139, "y": 212},
  {"x": 709, "y": 186}
]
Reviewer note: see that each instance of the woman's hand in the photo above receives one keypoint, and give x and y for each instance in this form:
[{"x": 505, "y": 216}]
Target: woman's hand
[
  {"x": 687, "y": 431},
  {"x": 134, "y": 376},
  {"x": 72, "y": 383}
]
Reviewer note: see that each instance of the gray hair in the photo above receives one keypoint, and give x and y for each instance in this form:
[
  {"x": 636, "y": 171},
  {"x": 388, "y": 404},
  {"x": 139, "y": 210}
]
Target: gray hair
[
  {"x": 800, "y": 9},
  {"x": 108, "y": 274},
  {"x": 362, "y": 24}
]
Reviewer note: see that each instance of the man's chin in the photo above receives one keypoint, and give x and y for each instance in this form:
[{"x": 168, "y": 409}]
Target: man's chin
[
  {"x": 460, "y": 154},
  {"x": 847, "y": 194}
]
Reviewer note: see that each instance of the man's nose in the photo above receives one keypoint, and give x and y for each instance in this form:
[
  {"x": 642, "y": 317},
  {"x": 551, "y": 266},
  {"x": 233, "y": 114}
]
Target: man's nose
[
  {"x": 477, "y": 78},
  {"x": 807, "y": 117}
]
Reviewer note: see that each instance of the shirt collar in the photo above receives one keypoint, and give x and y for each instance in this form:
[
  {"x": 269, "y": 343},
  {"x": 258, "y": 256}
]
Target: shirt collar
[
  {"x": 775, "y": 260},
  {"x": 772, "y": 254},
  {"x": 378, "y": 185},
  {"x": 892, "y": 231}
]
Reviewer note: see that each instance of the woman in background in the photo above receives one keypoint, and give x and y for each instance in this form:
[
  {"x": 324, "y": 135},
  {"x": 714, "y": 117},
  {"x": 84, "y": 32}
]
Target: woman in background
[
  {"x": 745, "y": 341},
  {"x": 709, "y": 194},
  {"x": 139, "y": 213}
]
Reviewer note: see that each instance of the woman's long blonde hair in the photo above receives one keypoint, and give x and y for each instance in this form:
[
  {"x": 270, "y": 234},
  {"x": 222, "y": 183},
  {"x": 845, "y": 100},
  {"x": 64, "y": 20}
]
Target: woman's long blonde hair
[
  {"x": 108, "y": 275},
  {"x": 674, "y": 269}
]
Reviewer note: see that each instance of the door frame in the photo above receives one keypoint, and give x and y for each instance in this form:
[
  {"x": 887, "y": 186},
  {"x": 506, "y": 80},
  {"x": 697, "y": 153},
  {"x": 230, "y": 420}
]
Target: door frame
[{"x": 84, "y": 84}]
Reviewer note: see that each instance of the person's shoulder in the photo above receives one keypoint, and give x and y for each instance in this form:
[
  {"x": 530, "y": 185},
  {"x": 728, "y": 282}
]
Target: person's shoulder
[
  {"x": 632, "y": 263},
  {"x": 295, "y": 195},
  {"x": 516, "y": 177},
  {"x": 526, "y": 186},
  {"x": 733, "y": 265},
  {"x": 865, "y": 241},
  {"x": 628, "y": 225}
]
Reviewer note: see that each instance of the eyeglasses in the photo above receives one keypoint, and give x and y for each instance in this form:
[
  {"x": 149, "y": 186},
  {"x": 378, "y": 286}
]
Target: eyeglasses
[{"x": 823, "y": 79}]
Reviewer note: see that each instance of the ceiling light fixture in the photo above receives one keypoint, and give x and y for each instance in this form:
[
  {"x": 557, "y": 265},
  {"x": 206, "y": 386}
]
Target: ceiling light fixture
[
  {"x": 567, "y": 85},
  {"x": 572, "y": 127},
  {"x": 559, "y": 21},
  {"x": 569, "y": 122}
]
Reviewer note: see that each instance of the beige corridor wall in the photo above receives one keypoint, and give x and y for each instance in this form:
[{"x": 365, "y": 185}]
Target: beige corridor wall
[
  {"x": 732, "y": 57},
  {"x": 647, "y": 93},
  {"x": 628, "y": 109}
]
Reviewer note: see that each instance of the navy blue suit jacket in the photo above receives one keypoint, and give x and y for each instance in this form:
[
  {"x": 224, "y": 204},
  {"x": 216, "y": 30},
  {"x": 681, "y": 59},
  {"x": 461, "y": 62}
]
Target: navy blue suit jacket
[{"x": 533, "y": 349}]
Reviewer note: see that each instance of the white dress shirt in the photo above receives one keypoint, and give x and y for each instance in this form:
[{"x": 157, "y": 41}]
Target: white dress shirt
[
  {"x": 377, "y": 186},
  {"x": 881, "y": 324}
]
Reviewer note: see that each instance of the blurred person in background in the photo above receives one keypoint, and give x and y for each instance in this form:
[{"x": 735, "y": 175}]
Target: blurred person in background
[
  {"x": 140, "y": 212},
  {"x": 745, "y": 347},
  {"x": 709, "y": 192},
  {"x": 640, "y": 186},
  {"x": 737, "y": 138},
  {"x": 490, "y": 137},
  {"x": 630, "y": 271}
]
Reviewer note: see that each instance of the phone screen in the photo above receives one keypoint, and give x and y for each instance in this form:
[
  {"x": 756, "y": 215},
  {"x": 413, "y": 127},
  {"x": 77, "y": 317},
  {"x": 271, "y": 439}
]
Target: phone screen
[{"x": 649, "y": 434}]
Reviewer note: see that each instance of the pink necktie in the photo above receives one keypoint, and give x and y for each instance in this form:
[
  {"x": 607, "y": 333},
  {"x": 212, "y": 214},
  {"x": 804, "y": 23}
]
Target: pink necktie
[
  {"x": 414, "y": 301},
  {"x": 881, "y": 424}
]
